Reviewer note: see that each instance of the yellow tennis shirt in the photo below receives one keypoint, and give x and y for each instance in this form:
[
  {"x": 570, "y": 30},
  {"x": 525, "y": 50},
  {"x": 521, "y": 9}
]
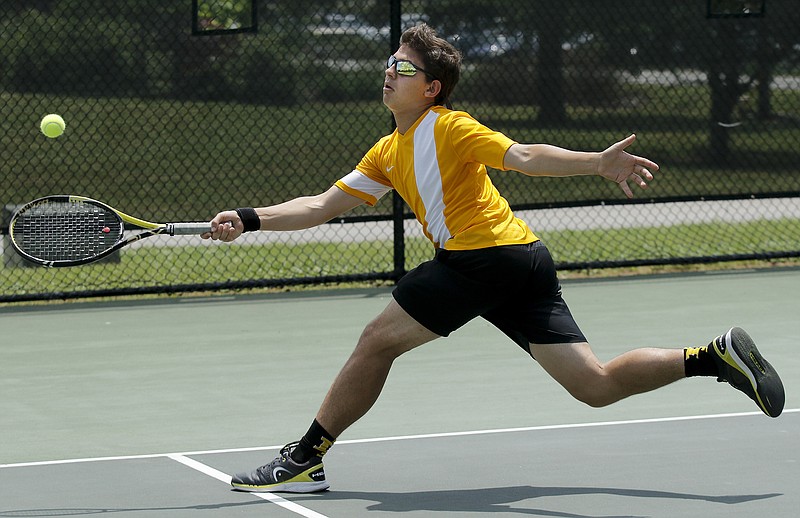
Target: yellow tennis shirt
[{"x": 439, "y": 168}]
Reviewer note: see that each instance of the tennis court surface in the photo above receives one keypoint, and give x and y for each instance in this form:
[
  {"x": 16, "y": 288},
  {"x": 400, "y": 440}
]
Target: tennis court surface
[{"x": 146, "y": 408}]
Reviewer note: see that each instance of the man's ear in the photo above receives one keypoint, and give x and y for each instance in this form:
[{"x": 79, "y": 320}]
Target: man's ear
[{"x": 434, "y": 89}]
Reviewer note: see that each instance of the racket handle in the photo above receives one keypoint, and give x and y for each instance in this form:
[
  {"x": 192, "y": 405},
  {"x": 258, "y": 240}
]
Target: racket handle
[{"x": 188, "y": 229}]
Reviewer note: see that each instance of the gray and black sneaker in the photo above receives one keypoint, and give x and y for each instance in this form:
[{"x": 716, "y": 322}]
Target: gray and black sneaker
[
  {"x": 284, "y": 475},
  {"x": 743, "y": 367}
]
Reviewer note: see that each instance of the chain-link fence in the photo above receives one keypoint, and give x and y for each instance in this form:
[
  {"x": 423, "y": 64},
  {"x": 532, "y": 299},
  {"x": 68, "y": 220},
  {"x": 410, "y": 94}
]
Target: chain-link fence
[{"x": 168, "y": 120}]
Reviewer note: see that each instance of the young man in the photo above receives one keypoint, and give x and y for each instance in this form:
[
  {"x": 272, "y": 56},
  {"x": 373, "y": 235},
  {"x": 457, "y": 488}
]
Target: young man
[{"x": 488, "y": 263}]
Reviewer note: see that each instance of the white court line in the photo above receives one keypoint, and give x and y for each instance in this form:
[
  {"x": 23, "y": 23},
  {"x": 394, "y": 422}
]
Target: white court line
[
  {"x": 402, "y": 438},
  {"x": 223, "y": 477}
]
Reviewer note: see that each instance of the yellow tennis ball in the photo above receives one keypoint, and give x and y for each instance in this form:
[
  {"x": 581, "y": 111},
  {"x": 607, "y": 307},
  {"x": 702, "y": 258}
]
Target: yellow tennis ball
[{"x": 52, "y": 125}]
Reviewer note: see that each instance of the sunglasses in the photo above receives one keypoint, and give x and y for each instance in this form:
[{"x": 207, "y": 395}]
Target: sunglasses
[{"x": 405, "y": 67}]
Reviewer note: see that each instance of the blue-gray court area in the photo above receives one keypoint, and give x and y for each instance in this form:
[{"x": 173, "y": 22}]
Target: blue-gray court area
[{"x": 145, "y": 409}]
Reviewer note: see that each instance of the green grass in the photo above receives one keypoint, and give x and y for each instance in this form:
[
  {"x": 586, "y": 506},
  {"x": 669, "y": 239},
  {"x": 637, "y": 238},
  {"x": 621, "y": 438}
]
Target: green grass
[
  {"x": 184, "y": 160},
  {"x": 177, "y": 160},
  {"x": 221, "y": 264}
]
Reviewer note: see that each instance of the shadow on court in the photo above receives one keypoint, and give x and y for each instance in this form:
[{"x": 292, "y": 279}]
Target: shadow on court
[
  {"x": 472, "y": 501},
  {"x": 501, "y": 499}
]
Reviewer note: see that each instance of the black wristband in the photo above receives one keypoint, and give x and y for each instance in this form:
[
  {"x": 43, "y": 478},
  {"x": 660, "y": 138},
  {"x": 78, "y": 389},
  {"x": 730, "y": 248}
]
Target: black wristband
[{"x": 249, "y": 218}]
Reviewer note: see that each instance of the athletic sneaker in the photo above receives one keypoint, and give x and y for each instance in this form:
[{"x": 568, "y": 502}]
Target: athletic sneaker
[
  {"x": 284, "y": 474},
  {"x": 743, "y": 367}
]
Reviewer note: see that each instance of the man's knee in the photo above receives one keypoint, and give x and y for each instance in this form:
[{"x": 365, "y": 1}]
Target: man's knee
[
  {"x": 393, "y": 333},
  {"x": 593, "y": 398},
  {"x": 595, "y": 389},
  {"x": 575, "y": 367},
  {"x": 374, "y": 341}
]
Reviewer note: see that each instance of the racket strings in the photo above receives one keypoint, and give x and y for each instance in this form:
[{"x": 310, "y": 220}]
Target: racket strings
[{"x": 66, "y": 231}]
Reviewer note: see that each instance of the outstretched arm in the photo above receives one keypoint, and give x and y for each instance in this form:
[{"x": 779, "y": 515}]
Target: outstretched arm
[
  {"x": 296, "y": 214},
  {"x": 614, "y": 163}
]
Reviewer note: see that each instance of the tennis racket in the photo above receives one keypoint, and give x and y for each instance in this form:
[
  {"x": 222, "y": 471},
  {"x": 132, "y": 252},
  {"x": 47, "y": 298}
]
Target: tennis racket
[{"x": 67, "y": 230}]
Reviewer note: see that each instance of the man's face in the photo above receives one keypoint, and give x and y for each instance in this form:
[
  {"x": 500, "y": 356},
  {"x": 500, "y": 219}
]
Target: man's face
[{"x": 401, "y": 90}]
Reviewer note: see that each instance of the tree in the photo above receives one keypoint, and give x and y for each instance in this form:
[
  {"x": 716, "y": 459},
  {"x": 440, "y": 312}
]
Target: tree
[
  {"x": 743, "y": 56},
  {"x": 738, "y": 55},
  {"x": 550, "y": 91}
]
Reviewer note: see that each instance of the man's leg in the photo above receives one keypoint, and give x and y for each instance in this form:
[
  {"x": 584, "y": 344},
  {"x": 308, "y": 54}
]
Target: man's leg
[
  {"x": 598, "y": 384},
  {"x": 299, "y": 468},
  {"x": 361, "y": 380},
  {"x": 731, "y": 357}
]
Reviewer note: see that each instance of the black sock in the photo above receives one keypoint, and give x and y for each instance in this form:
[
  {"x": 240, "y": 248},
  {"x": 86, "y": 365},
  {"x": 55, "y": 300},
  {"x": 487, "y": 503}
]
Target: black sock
[
  {"x": 698, "y": 361},
  {"x": 316, "y": 441}
]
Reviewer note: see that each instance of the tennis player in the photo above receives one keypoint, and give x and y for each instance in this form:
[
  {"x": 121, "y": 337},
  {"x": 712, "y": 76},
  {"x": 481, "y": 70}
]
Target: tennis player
[{"x": 488, "y": 263}]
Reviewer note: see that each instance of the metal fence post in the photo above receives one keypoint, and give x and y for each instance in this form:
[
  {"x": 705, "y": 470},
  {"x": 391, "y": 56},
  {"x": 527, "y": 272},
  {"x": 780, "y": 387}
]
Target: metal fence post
[{"x": 398, "y": 205}]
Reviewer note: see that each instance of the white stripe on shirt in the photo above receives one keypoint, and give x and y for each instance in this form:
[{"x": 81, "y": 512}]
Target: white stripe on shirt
[
  {"x": 361, "y": 182},
  {"x": 429, "y": 179}
]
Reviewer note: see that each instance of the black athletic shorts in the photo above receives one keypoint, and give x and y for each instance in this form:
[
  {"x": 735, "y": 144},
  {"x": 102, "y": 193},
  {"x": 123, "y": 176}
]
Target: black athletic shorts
[{"x": 514, "y": 287}]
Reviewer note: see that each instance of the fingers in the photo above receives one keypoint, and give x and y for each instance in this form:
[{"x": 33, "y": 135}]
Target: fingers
[
  {"x": 637, "y": 179},
  {"x": 226, "y": 231},
  {"x": 641, "y": 182},
  {"x": 626, "y": 188},
  {"x": 622, "y": 144},
  {"x": 640, "y": 173},
  {"x": 645, "y": 164},
  {"x": 639, "y": 160},
  {"x": 225, "y": 226}
]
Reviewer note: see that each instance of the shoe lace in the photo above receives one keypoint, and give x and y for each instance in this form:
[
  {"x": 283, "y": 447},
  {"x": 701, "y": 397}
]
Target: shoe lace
[
  {"x": 288, "y": 449},
  {"x": 282, "y": 457}
]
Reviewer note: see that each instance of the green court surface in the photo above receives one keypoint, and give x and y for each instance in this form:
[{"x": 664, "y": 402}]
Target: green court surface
[{"x": 146, "y": 408}]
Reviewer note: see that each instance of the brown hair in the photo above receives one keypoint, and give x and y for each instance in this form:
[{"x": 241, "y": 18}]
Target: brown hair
[{"x": 441, "y": 59}]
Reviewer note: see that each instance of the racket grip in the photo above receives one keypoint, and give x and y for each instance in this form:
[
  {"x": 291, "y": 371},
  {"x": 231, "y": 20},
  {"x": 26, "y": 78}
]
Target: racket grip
[{"x": 188, "y": 229}]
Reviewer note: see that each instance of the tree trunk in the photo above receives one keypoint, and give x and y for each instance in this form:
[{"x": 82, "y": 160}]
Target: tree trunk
[
  {"x": 723, "y": 80},
  {"x": 550, "y": 91},
  {"x": 764, "y": 76}
]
